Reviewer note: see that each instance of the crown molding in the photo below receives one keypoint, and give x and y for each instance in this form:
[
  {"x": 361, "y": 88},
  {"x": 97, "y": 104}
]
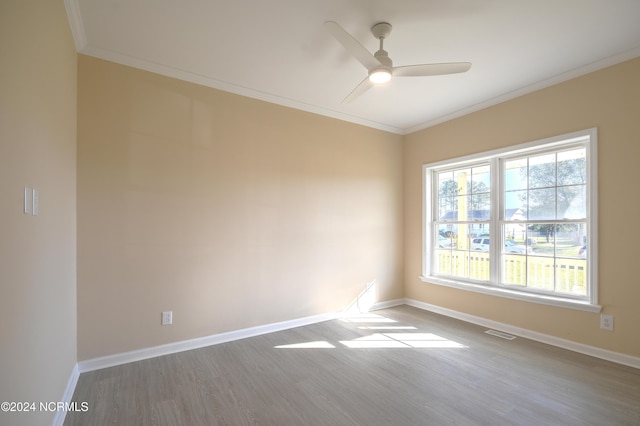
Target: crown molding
[
  {"x": 202, "y": 80},
  {"x": 75, "y": 22},
  {"x": 82, "y": 46},
  {"x": 543, "y": 84}
]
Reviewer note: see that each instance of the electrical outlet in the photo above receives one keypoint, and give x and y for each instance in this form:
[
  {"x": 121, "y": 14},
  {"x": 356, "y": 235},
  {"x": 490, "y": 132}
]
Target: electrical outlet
[
  {"x": 167, "y": 318},
  {"x": 606, "y": 322}
]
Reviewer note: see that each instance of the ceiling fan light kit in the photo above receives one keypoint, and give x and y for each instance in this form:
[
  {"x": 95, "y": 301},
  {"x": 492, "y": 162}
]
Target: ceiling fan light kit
[
  {"x": 379, "y": 76},
  {"x": 379, "y": 66}
]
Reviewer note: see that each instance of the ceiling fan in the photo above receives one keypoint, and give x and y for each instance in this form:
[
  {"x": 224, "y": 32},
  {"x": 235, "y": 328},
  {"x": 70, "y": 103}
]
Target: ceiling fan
[{"x": 379, "y": 65}]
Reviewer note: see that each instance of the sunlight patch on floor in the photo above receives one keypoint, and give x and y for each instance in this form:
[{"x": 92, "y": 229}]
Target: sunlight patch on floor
[
  {"x": 376, "y": 340},
  {"x": 388, "y": 336},
  {"x": 368, "y": 317},
  {"x": 402, "y": 340},
  {"x": 388, "y": 327},
  {"x": 320, "y": 344}
]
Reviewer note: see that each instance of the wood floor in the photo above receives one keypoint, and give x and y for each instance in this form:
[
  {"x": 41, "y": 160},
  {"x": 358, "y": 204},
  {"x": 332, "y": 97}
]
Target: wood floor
[{"x": 398, "y": 366}]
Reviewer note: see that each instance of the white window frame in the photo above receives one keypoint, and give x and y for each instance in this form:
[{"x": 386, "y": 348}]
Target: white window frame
[{"x": 495, "y": 158}]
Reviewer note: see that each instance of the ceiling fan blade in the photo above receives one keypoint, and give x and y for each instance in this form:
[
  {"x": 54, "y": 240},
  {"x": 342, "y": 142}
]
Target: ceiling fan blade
[
  {"x": 431, "y": 69},
  {"x": 352, "y": 45},
  {"x": 359, "y": 90}
]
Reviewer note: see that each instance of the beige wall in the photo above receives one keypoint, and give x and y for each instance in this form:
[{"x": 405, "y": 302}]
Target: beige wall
[
  {"x": 233, "y": 213},
  {"x": 229, "y": 211},
  {"x": 37, "y": 253},
  {"x": 609, "y": 100}
]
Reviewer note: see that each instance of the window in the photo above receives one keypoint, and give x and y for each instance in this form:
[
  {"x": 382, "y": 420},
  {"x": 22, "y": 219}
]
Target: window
[{"x": 519, "y": 222}]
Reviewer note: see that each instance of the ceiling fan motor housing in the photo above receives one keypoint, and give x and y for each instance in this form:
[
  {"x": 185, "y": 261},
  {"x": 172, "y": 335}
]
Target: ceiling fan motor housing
[
  {"x": 381, "y": 30},
  {"x": 382, "y": 56}
]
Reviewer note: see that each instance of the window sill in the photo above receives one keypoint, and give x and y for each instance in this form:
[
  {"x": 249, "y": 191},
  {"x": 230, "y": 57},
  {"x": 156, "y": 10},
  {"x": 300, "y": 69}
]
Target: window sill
[{"x": 510, "y": 294}]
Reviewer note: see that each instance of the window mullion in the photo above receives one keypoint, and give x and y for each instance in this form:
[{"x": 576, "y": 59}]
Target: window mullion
[
  {"x": 428, "y": 221},
  {"x": 496, "y": 216}
]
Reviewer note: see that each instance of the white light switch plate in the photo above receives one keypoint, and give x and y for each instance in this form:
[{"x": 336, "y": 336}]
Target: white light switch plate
[
  {"x": 28, "y": 200},
  {"x": 35, "y": 206}
]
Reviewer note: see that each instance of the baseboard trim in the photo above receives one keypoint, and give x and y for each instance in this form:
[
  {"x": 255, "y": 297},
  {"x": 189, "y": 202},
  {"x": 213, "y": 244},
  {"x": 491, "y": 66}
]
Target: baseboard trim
[
  {"x": 67, "y": 397},
  {"x": 605, "y": 354},
  {"x": 387, "y": 304},
  {"x": 186, "y": 345}
]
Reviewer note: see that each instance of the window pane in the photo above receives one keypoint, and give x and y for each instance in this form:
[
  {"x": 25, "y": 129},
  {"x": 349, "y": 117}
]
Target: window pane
[
  {"x": 542, "y": 171},
  {"x": 479, "y": 266},
  {"x": 541, "y": 273},
  {"x": 480, "y": 207},
  {"x": 454, "y": 256},
  {"x": 515, "y": 205},
  {"x": 541, "y": 238},
  {"x": 515, "y": 174},
  {"x": 572, "y": 203},
  {"x": 571, "y": 276},
  {"x": 445, "y": 237},
  {"x": 481, "y": 179},
  {"x": 447, "y": 191},
  {"x": 462, "y": 208},
  {"x": 572, "y": 167},
  {"x": 451, "y": 257},
  {"x": 459, "y": 263},
  {"x": 448, "y": 231},
  {"x": 569, "y": 238},
  {"x": 556, "y": 258},
  {"x": 479, "y": 257},
  {"x": 463, "y": 236},
  {"x": 481, "y": 199},
  {"x": 542, "y": 204},
  {"x": 445, "y": 181},
  {"x": 514, "y": 270},
  {"x": 571, "y": 258},
  {"x": 515, "y": 232},
  {"x": 462, "y": 179},
  {"x": 445, "y": 208}
]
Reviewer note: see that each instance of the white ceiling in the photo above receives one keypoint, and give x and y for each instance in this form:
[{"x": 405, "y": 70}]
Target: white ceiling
[{"x": 279, "y": 50}]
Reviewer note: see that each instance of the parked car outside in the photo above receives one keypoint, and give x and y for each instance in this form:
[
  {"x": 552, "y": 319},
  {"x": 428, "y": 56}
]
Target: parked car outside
[
  {"x": 482, "y": 243},
  {"x": 444, "y": 242},
  {"x": 583, "y": 251}
]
